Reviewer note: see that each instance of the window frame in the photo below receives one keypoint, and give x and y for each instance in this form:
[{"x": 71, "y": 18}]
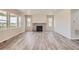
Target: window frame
[
  {"x": 50, "y": 23},
  {"x": 5, "y": 23},
  {"x": 16, "y": 24},
  {"x": 29, "y": 23}
]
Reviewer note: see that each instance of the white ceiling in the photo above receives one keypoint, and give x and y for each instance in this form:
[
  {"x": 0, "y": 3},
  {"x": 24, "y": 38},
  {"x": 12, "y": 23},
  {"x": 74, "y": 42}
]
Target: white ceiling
[{"x": 40, "y": 11}]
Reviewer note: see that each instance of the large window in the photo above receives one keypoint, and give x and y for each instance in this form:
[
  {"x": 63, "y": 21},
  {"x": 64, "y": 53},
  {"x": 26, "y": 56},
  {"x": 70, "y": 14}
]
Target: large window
[
  {"x": 3, "y": 20},
  {"x": 13, "y": 21},
  {"x": 9, "y": 20},
  {"x": 28, "y": 21}
]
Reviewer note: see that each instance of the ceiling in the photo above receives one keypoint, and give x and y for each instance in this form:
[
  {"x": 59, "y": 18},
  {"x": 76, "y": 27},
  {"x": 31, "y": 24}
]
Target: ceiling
[{"x": 40, "y": 11}]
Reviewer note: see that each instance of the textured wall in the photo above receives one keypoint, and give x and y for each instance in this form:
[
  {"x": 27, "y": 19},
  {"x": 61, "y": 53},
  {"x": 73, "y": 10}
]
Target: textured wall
[{"x": 62, "y": 23}]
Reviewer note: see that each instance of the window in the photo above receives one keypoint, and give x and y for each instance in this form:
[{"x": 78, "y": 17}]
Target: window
[
  {"x": 19, "y": 21},
  {"x": 9, "y": 20},
  {"x": 28, "y": 21},
  {"x": 50, "y": 21},
  {"x": 13, "y": 21},
  {"x": 3, "y": 20}
]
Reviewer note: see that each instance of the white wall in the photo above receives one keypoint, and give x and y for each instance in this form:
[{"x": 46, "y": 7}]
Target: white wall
[
  {"x": 5, "y": 35},
  {"x": 62, "y": 23},
  {"x": 39, "y": 18},
  {"x": 75, "y": 23}
]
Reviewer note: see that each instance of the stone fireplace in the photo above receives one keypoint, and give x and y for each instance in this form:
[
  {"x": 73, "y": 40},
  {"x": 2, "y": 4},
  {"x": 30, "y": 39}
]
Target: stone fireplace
[{"x": 39, "y": 27}]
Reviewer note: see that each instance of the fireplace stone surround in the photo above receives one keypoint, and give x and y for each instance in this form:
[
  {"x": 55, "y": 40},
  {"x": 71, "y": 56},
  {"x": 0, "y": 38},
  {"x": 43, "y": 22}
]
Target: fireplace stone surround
[{"x": 39, "y": 24}]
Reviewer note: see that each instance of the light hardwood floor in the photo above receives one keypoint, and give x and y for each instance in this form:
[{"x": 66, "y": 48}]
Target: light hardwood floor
[{"x": 40, "y": 41}]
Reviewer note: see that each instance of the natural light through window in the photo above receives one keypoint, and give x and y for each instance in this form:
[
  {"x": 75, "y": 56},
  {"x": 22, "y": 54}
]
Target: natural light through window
[
  {"x": 9, "y": 20},
  {"x": 29, "y": 21},
  {"x": 13, "y": 21},
  {"x": 19, "y": 21},
  {"x": 50, "y": 21}
]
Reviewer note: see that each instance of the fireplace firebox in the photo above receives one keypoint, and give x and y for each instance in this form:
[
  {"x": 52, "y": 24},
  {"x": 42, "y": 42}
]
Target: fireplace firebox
[{"x": 39, "y": 28}]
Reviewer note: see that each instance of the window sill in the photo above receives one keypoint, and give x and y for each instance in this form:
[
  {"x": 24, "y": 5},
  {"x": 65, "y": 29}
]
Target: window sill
[{"x": 10, "y": 29}]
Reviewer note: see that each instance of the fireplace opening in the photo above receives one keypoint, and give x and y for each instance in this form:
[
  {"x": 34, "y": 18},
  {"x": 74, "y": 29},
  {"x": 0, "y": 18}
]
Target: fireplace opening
[{"x": 39, "y": 28}]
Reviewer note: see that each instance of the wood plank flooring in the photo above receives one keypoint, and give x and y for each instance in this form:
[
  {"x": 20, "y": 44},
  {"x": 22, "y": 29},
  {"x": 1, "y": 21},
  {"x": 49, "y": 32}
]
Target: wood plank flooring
[{"x": 40, "y": 41}]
